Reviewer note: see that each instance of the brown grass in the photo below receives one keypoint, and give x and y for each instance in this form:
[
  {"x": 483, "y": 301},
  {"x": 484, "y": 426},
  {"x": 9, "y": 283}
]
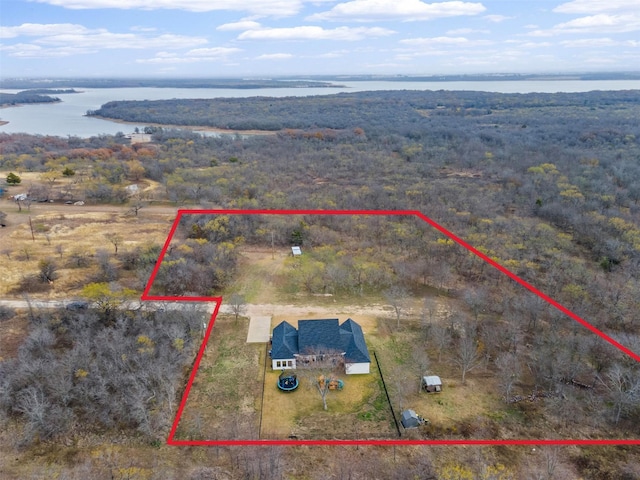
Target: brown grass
[
  {"x": 354, "y": 412},
  {"x": 12, "y": 333},
  {"x": 224, "y": 401},
  {"x": 58, "y": 235}
]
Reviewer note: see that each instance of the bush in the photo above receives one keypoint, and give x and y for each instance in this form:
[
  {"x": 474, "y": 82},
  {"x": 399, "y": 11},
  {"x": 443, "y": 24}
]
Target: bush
[
  {"x": 6, "y": 313},
  {"x": 13, "y": 179}
]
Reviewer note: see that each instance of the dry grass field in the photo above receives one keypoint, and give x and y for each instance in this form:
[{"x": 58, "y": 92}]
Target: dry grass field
[{"x": 64, "y": 233}]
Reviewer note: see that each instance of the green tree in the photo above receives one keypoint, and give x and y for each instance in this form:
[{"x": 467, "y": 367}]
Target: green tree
[
  {"x": 13, "y": 179},
  {"x": 106, "y": 300}
]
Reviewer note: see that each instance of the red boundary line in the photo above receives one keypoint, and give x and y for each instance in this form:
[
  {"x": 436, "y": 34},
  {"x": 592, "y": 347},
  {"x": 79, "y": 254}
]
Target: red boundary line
[{"x": 218, "y": 302}]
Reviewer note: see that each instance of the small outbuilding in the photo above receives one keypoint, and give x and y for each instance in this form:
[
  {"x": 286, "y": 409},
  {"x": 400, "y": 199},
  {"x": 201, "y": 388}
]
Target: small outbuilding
[
  {"x": 411, "y": 419},
  {"x": 432, "y": 384},
  {"x": 296, "y": 251}
]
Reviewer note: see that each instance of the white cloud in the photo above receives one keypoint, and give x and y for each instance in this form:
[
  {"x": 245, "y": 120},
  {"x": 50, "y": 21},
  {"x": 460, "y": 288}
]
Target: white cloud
[
  {"x": 497, "y": 18},
  {"x": 466, "y": 31},
  {"x": 29, "y": 50},
  {"x": 40, "y": 30},
  {"x": 78, "y": 37},
  {"x": 143, "y": 29},
  {"x": 281, "y": 8},
  {"x": 595, "y": 6},
  {"x": 602, "y": 22},
  {"x": 192, "y": 56},
  {"x": 598, "y": 24},
  {"x": 315, "y": 33},
  {"x": 241, "y": 25},
  {"x": 443, "y": 42},
  {"x": 104, "y": 39},
  {"x": 397, "y": 10},
  {"x": 336, "y": 54},
  {"x": 522, "y": 44},
  {"x": 275, "y": 56},
  {"x": 436, "y": 41},
  {"x": 598, "y": 42},
  {"x": 217, "y": 52}
]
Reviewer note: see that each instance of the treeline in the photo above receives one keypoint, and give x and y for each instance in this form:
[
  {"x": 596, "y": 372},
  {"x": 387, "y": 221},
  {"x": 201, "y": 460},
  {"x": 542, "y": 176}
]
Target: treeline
[
  {"x": 8, "y": 99},
  {"x": 51, "y": 91},
  {"x": 372, "y": 111}
]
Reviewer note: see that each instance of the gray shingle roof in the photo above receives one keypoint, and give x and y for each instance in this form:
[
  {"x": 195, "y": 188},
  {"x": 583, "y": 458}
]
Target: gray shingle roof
[
  {"x": 355, "y": 347},
  {"x": 319, "y": 336},
  {"x": 316, "y": 336},
  {"x": 284, "y": 342}
]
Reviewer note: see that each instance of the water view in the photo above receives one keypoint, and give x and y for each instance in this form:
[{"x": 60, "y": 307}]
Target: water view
[{"x": 68, "y": 116}]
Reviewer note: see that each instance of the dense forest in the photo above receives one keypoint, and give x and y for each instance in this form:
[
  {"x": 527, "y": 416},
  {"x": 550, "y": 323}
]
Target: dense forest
[
  {"x": 28, "y": 96},
  {"x": 547, "y": 185},
  {"x": 412, "y": 112}
]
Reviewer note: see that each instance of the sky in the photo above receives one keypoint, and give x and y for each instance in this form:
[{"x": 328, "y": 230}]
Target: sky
[{"x": 268, "y": 38}]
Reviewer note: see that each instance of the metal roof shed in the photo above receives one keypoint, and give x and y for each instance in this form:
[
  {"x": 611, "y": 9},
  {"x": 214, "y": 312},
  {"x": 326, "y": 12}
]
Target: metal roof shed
[
  {"x": 410, "y": 419},
  {"x": 432, "y": 384}
]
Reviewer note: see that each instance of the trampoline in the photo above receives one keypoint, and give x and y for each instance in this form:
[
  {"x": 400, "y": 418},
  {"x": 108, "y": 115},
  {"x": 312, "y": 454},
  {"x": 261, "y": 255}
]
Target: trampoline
[{"x": 287, "y": 381}]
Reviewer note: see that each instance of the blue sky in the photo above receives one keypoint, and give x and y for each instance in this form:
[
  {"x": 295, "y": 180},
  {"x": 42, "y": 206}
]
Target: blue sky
[{"x": 231, "y": 38}]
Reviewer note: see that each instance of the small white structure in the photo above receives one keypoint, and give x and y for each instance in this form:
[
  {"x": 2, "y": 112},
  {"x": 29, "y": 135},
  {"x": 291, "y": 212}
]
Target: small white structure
[
  {"x": 296, "y": 251},
  {"x": 432, "y": 384}
]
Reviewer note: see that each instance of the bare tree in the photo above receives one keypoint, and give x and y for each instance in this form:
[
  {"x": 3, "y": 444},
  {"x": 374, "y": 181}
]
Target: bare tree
[
  {"x": 469, "y": 355},
  {"x": 321, "y": 368},
  {"x": 624, "y": 389},
  {"x": 421, "y": 362},
  {"x": 238, "y": 305},
  {"x": 398, "y": 297},
  {"x": 476, "y": 299},
  {"x": 137, "y": 203},
  {"x": 441, "y": 338},
  {"x": 115, "y": 239},
  {"x": 509, "y": 370}
]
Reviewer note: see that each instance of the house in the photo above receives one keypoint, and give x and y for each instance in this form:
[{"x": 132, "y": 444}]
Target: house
[
  {"x": 320, "y": 340},
  {"x": 432, "y": 384}
]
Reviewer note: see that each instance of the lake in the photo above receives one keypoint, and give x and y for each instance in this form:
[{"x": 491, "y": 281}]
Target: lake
[{"x": 67, "y": 117}]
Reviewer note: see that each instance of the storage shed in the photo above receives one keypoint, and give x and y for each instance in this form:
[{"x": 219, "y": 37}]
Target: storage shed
[
  {"x": 410, "y": 419},
  {"x": 432, "y": 384}
]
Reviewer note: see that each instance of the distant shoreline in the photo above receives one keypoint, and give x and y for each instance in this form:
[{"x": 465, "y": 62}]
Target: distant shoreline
[
  {"x": 194, "y": 128},
  {"x": 11, "y": 105}
]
